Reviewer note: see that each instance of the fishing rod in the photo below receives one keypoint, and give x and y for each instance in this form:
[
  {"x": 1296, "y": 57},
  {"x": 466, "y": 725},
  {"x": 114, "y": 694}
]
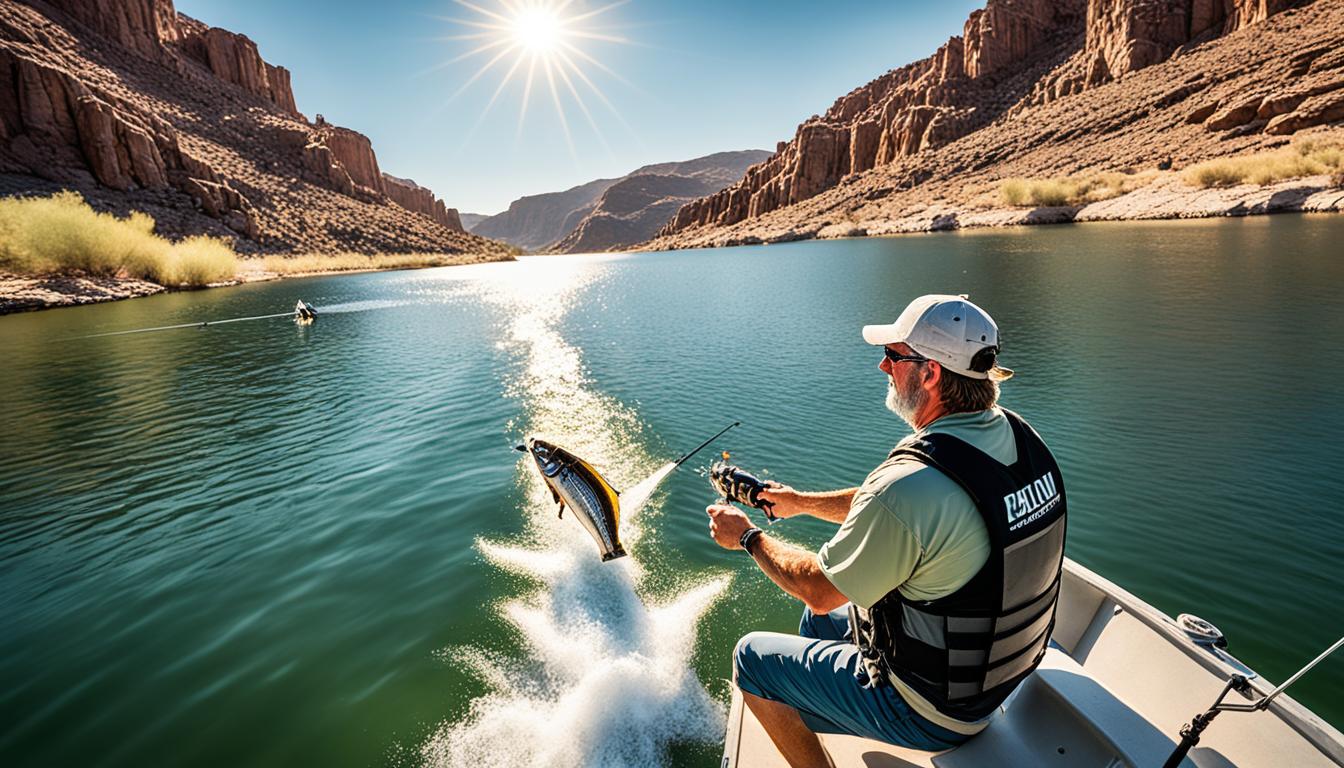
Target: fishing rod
[
  {"x": 1191, "y": 732},
  {"x": 701, "y": 446}
]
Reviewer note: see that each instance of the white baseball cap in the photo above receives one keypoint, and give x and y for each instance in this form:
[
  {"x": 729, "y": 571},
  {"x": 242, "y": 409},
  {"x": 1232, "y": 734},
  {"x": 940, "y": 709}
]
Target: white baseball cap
[{"x": 947, "y": 329}]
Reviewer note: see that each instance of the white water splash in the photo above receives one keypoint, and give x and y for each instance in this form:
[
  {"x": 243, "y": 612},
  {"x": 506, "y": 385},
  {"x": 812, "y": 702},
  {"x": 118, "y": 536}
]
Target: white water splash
[{"x": 605, "y": 679}]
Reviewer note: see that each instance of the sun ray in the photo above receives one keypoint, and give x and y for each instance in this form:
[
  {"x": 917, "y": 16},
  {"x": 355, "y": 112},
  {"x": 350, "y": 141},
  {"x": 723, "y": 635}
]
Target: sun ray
[
  {"x": 479, "y": 73},
  {"x": 527, "y": 93},
  {"x": 584, "y": 55},
  {"x": 583, "y": 106},
  {"x": 453, "y": 38},
  {"x": 477, "y": 50},
  {"x": 547, "y": 35},
  {"x": 598, "y": 36},
  {"x": 475, "y": 24},
  {"x": 483, "y": 11},
  {"x": 596, "y": 11},
  {"x": 490, "y": 105},
  {"x": 600, "y": 95},
  {"x": 559, "y": 110}
]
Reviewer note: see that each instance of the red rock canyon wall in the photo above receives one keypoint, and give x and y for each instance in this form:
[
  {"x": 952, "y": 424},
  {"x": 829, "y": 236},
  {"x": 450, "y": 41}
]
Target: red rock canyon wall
[{"x": 1011, "y": 52}]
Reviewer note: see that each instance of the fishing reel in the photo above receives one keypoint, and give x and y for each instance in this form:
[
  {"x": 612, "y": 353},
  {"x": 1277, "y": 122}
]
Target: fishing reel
[{"x": 736, "y": 484}]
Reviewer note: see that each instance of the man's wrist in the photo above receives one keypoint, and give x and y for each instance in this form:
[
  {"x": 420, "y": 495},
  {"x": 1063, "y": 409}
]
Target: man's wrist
[{"x": 749, "y": 537}]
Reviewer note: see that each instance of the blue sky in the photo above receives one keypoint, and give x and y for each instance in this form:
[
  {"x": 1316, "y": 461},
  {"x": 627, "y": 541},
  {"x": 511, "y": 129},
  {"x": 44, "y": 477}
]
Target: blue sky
[{"x": 695, "y": 77}]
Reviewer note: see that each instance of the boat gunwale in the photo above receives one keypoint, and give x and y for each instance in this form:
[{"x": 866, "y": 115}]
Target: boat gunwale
[{"x": 1302, "y": 720}]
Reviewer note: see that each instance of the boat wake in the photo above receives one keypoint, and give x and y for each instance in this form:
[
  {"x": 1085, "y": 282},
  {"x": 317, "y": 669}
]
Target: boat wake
[{"x": 601, "y": 677}]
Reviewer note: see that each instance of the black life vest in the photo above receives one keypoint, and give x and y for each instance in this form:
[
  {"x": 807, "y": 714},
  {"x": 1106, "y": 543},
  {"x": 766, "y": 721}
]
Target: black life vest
[{"x": 965, "y": 652}]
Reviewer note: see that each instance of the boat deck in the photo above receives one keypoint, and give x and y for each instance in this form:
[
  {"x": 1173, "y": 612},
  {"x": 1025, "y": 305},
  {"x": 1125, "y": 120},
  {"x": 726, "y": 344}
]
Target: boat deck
[{"x": 1116, "y": 692}]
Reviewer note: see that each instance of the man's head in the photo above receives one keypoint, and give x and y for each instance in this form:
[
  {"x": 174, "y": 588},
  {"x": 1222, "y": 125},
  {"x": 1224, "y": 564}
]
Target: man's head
[{"x": 940, "y": 357}]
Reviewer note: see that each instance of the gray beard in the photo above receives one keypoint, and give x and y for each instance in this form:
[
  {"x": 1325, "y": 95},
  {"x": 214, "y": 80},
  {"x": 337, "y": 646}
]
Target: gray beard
[{"x": 901, "y": 406}]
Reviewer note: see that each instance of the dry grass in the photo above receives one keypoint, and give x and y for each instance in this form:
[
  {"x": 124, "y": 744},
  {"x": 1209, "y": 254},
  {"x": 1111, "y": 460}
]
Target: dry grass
[
  {"x": 1070, "y": 190},
  {"x": 344, "y": 262},
  {"x": 1307, "y": 157},
  {"x": 61, "y": 233}
]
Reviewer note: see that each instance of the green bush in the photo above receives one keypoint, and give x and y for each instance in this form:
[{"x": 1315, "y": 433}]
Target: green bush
[{"x": 61, "y": 233}]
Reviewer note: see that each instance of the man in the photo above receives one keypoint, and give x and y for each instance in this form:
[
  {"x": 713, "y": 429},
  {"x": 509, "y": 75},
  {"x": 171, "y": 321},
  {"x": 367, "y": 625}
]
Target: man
[{"x": 949, "y": 556}]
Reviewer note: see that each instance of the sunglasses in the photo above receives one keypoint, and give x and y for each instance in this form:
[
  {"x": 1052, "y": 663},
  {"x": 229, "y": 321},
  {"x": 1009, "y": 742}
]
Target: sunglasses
[{"x": 897, "y": 357}]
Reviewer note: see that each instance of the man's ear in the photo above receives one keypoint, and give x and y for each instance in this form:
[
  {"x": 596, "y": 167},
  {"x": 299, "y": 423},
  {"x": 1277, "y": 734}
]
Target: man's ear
[{"x": 933, "y": 373}]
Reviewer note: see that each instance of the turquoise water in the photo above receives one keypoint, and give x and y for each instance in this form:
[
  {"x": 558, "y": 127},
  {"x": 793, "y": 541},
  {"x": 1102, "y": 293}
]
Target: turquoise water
[{"x": 256, "y": 543}]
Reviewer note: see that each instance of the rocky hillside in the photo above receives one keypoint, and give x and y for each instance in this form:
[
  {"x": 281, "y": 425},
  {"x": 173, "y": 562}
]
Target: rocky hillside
[
  {"x": 470, "y": 220},
  {"x": 1037, "y": 88},
  {"x": 536, "y": 221},
  {"x": 634, "y": 208},
  {"x": 588, "y": 218},
  {"x": 139, "y": 107}
]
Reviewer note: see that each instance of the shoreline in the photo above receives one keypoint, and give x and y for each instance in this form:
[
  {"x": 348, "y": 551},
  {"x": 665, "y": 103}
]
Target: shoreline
[
  {"x": 33, "y": 293},
  {"x": 1164, "y": 199}
]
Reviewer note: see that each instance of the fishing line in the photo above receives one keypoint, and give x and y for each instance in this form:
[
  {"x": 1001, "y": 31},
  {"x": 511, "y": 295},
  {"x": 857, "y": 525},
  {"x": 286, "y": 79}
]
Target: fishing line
[
  {"x": 188, "y": 325},
  {"x": 335, "y": 309}
]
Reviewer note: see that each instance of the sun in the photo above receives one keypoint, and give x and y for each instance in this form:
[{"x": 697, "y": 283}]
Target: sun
[
  {"x": 537, "y": 31},
  {"x": 538, "y": 41}
]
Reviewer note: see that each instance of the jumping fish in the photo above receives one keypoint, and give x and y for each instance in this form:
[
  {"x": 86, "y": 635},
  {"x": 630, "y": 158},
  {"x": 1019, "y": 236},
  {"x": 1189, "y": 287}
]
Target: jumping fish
[{"x": 574, "y": 483}]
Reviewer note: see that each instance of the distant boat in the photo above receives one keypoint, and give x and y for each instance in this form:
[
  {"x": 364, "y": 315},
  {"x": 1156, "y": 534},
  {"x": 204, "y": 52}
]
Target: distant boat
[
  {"x": 304, "y": 313},
  {"x": 1125, "y": 682}
]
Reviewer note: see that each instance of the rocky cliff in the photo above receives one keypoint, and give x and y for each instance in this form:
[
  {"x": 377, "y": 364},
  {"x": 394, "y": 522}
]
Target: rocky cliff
[
  {"x": 577, "y": 219},
  {"x": 1027, "y": 76},
  {"x": 235, "y": 59},
  {"x": 141, "y": 108},
  {"x": 414, "y": 197}
]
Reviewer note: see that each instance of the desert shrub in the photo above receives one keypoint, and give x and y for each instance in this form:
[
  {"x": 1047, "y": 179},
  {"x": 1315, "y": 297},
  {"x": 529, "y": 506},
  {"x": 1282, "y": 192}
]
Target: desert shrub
[
  {"x": 341, "y": 262},
  {"x": 1306, "y": 157},
  {"x": 40, "y": 235},
  {"x": 1051, "y": 192},
  {"x": 1214, "y": 173},
  {"x": 61, "y": 232},
  {"x": 1015, "y": 192},
  {"x": 1069, "y": 190},
  {"x": 201, "y": 260}
]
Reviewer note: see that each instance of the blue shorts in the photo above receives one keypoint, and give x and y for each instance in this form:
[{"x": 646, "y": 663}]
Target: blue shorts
[{"x": 820, "y": 675}]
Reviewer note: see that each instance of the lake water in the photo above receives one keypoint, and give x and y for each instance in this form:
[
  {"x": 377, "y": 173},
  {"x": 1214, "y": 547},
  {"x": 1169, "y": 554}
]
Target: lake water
[{"x": 262, "y": 544}]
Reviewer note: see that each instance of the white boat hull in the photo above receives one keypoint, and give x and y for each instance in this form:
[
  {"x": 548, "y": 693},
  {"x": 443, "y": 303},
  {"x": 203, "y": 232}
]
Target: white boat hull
[{"x": 1118, "y": 694}]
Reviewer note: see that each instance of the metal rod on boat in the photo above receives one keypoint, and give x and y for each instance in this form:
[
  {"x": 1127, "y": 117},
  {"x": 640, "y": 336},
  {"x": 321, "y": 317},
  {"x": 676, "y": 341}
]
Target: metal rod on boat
[
  {"x": 1263, "y": 703},
  {"x": 1190, "y": 733}
]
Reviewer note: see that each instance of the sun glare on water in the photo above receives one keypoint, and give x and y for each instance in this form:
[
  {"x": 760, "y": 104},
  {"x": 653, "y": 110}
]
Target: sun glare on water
[{"x": 537, "y": 42}]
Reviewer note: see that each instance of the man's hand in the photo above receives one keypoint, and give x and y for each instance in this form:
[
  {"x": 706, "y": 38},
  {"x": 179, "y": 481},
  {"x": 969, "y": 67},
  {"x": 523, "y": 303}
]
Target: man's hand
[
  {"x": 727, "y": 524},
  {"x": 787, "y": 502}
]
